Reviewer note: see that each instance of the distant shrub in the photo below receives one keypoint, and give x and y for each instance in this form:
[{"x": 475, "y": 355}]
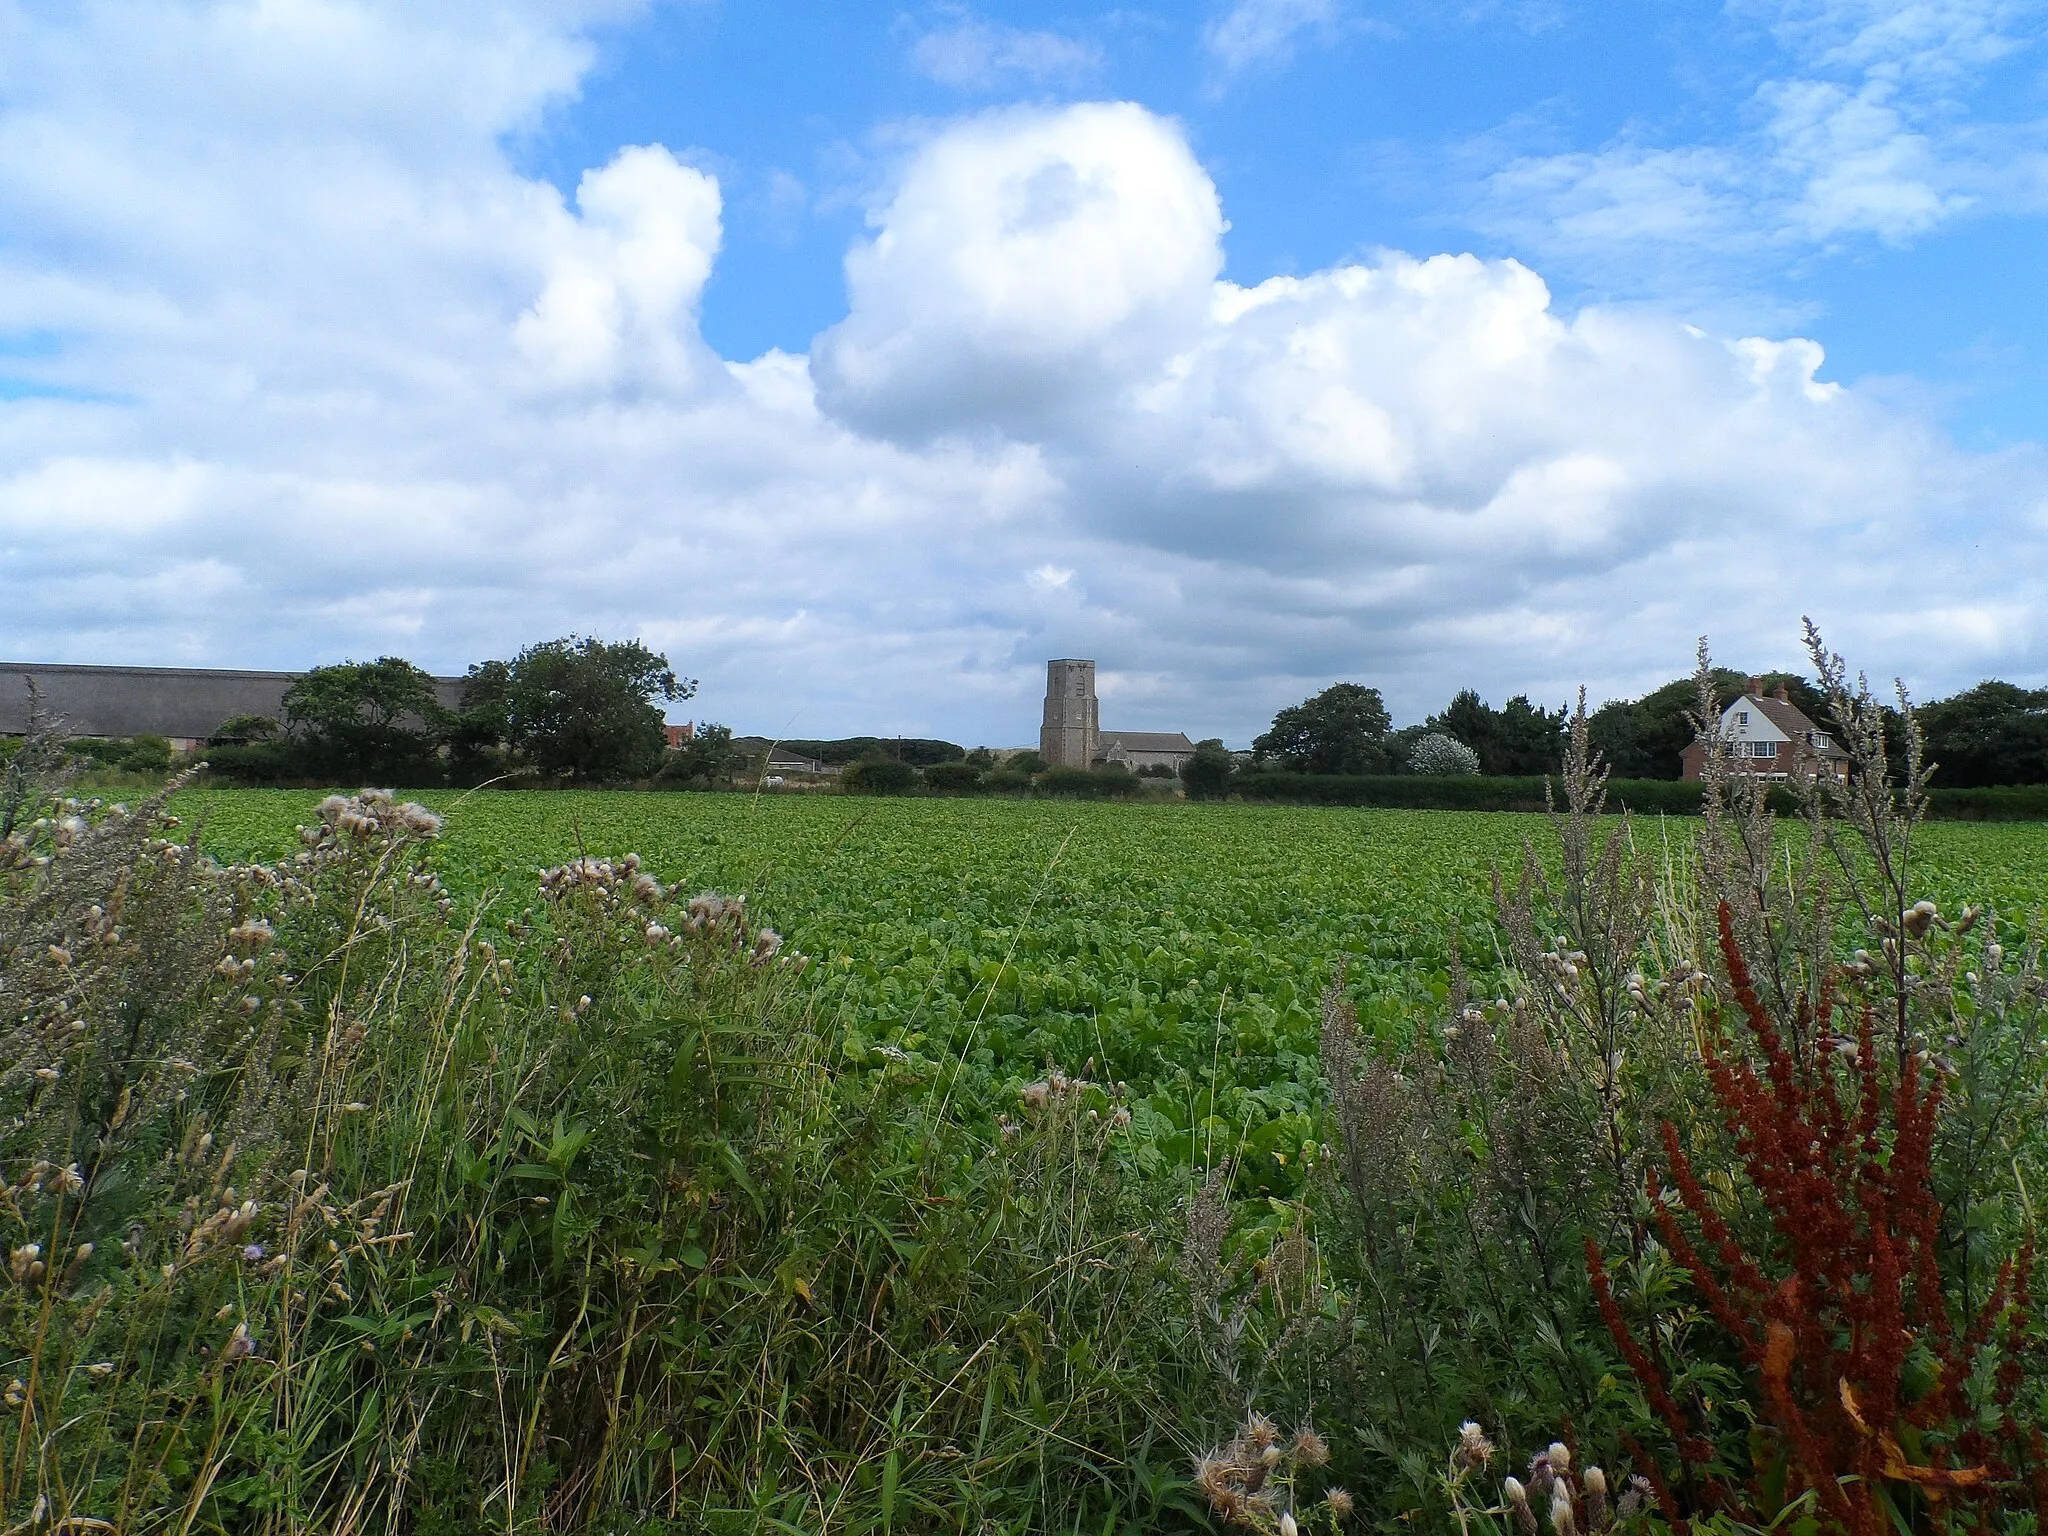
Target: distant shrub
[
  {"x": 1156, "y": 771},
  {"x": 918, "y": 751},
  {"x": 2010, "y": 802},
  {"x": 1068, "y": 783},
  {"x": 1113, "y": 781},
  {"x": 1443, "y": 756},
  {"x": 1006, "y": 781},
  {"x": 240, "y": 730},
  {"x": 1417, "y": 791},
  {"x": 259, "y": 762},
  {"x": 953, "y": 778},
  {"x": 136, "y": 754},
  {"x": 879, "y": 776},
  {"x": 1646, "y": 797},
  {"x": 1207, "y": 775},
  {"x": 147, "y": 754}
]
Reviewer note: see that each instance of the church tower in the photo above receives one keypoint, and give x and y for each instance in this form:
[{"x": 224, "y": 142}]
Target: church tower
[{"x": 1067, "y": 738}]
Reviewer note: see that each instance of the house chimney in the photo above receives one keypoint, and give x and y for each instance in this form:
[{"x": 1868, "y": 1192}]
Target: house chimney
[
  {"x": 1756, "y": 686},
  {"x": 1782, "y": 696}
]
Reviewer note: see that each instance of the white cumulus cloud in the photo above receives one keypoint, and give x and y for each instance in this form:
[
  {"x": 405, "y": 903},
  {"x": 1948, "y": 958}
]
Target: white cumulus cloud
[
  {"x": 354, "y": 383},
  {"x": 1027, "y": 261},
  {"x": 629, "y": 275}
]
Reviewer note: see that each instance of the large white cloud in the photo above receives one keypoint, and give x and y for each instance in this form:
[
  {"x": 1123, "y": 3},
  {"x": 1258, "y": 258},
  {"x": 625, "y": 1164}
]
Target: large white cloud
[
  {"x": 319, "y": 373},
  {"x": 1028, "y": 262}
]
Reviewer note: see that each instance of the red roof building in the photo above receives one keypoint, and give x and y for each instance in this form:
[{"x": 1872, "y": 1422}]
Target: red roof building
[{"x": 1769, "y": 737}]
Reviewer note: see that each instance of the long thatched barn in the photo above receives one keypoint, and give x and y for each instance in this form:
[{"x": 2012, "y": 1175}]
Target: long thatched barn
[{"x": 184, "y": 704}]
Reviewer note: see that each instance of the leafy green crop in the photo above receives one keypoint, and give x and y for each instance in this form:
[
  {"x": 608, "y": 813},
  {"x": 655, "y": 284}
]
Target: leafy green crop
[{"x": 1181, "y": 948}]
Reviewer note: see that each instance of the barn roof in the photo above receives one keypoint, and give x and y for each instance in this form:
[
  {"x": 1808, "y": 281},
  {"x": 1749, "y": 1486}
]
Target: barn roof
[{"x": 187, "y": 703}]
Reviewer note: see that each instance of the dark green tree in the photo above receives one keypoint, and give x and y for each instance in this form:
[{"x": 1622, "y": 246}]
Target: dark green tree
[
  {"x": 954, "y": 778},
  {"x": 706, "y": 761},
  {"x": 1207, "y": 775},
  {"x": 584, "y": 709},
  {"x": 1994, "y": 733},
  {"x": 479, "y": 735},
  {"x": 879, "y": 776},
  {"x": 1519, "y": 738},
  {"x": 367, "y": 720},
  {"x": 1343, "y": 729},
  {"x": 1531, "y": 739}
]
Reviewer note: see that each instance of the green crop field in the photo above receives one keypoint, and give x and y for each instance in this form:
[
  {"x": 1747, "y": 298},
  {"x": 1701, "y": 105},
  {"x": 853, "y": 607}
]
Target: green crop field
[{"x": 1180, "y": 948}]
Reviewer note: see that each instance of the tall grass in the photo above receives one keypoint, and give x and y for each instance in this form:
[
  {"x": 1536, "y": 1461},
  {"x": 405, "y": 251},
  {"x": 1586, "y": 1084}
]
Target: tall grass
[
  {"x": 332, "y": 1207},
  {"x": 332, "y": 1204}
]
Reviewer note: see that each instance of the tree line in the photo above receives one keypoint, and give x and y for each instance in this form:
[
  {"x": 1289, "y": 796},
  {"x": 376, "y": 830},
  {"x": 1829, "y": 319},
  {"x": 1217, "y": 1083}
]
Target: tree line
[
  {"x": 580, "y": 710},
  {"x": 571, "y": 710},
  {"x": 1993, "y": 734}
]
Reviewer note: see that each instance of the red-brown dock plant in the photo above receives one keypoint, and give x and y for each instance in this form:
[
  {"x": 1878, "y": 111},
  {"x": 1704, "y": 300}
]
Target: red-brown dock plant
[{"x": 1884, "y": 1392}]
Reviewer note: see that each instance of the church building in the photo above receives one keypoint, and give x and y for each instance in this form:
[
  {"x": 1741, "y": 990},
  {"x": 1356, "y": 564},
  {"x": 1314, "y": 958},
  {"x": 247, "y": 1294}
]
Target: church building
[{"x": 1072, "y": 734}]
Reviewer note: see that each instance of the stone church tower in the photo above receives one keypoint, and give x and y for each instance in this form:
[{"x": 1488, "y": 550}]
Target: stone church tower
[{"x": 1072, "y": 724}]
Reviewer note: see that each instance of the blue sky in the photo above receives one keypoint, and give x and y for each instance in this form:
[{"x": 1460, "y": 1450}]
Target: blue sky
[
  {"x": 1360, "y": 127},
  {"x": 865, "y": 357}
]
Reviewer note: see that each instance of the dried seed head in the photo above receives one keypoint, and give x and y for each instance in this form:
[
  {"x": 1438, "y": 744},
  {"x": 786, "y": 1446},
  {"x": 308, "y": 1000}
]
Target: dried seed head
[
  {"x": 1596, "y": 1499},
  {"x": 1518, "y": 1505},
  {"x": 1561, "y": 1520},
  {"x": 1474, "y": 1449},
  {"x": 1310, "y": 1449},
  {"x": 1339, "y": 1501},
  {"x": 251, "y": 933}
]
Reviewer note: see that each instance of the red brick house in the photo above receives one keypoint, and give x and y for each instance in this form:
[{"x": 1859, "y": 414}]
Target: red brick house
[{"x": 1770, "y": 737}]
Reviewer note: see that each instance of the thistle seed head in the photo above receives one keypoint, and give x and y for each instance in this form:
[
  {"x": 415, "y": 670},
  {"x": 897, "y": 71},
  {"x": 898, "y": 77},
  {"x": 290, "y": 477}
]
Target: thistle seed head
[
  {"x": 1474, "y": 1449},
  {"x": 1596, "y": 1499},
  {"x": 1561, "y": 1520}
]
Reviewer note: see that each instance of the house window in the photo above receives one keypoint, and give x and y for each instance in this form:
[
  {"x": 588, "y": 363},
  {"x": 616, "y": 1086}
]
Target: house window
[
  {"x": 1764, "y": 748},
  {"x": 1742, "y": 717}
]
